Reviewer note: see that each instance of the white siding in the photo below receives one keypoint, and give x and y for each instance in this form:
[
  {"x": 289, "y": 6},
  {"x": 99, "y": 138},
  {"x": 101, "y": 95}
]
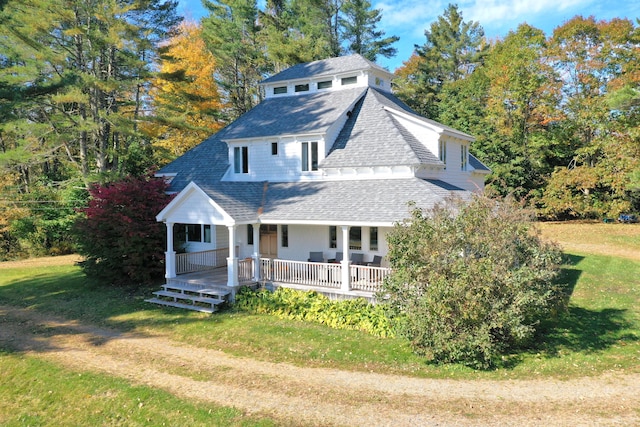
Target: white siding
[
  {"x": 195, "y": 208},
  {"x": 284, "y": 167}
]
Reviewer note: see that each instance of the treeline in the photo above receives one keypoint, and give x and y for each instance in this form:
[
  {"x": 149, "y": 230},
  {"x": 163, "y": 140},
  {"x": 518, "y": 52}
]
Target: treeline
[{"x": 94, "y": 91}]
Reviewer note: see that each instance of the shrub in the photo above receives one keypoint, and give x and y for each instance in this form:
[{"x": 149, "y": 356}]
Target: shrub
[
  {"x": 119, "y": 236},
  {"x": 471, "y": 280},
  {"x": 355, "y": 314}
]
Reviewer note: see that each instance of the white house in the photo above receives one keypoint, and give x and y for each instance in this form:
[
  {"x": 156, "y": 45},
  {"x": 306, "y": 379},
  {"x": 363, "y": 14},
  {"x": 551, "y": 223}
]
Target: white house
[{"x": 324, "y": 166}]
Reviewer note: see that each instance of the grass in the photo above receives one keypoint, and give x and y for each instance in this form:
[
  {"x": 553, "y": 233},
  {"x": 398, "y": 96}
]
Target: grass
[
  {"x": 599, "y": 333},
  {"x": 39, "y": 393}
]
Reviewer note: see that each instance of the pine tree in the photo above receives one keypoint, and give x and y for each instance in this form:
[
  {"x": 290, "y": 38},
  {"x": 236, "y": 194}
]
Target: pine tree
[{"x": 358, "y": 31}]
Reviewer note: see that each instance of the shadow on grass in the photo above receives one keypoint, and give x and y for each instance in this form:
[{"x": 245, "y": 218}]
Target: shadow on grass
[
  {"x": 580, "y": 329},
  {"x": 67, "y": 301}
]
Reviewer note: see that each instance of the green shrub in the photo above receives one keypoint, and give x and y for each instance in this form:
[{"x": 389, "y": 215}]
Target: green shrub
[
  {"x": 470, "y": 280},
  {"x": 355, "y": 314}
]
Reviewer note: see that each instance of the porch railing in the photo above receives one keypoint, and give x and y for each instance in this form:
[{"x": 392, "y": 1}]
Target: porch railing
[
  {"x": 324, "y": 275},
  {"x": 245, "y": 270},
  {"x": 364, "y": 278},
  {"x": 200, "y": 261}
]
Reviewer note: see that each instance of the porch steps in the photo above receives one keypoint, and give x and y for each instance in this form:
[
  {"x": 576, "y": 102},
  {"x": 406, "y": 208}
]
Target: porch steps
[{"x": 189, "y": 296}]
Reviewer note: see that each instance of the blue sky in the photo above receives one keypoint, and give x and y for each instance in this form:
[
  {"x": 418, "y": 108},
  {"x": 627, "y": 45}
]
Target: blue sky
[{"x": 409, "y": 18}]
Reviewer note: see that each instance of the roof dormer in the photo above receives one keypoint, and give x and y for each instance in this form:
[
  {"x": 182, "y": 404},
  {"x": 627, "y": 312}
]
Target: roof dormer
[{"x": 331, "y": 74}]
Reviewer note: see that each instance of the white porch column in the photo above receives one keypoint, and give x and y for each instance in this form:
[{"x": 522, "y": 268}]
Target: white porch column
[
  {"x": 170, "y": 254},
  {"x": 256, "y": 252},
  {"x": 232, "y": 261},
  {"x": 346, "y": 259}
]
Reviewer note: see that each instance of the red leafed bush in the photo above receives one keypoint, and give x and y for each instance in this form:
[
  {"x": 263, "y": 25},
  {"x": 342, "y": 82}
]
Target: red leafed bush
[{"x": 119, "y": 237}]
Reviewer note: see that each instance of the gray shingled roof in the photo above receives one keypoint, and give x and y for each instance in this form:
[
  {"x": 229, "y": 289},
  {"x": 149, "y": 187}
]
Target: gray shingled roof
[
  {"x": 337, "y": 202},
  {"x": 204, "y": 164},
  {"x": 477, "y": 164},
  {"x": 325, "y": 67},
  {"x": 366, "y": 201},
  {"x": 372, "y": 137},
  {"x": 290, "y": 115}
]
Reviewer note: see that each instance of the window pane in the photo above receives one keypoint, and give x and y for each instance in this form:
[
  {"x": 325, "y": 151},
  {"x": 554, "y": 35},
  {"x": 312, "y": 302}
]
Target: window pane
[
  {"x": 245, "y": 159},
  {"x": 373, "y": 238},
  {"x": 355, "y": 238},
  {"x": 349, "y": 80},
  {"x": 207, "y": 233},
  {"x": 249, "y": 234},
  {"x": 325, "y": 85},
  {"x": 314, "y": 156},
  {"x": 194, "y": 233},
  {"x": 285, "y": 235},
  {"x": 237, "y": 160},
  {"x": 302, "y": 88},
  {"x": 279, "y": 90},
  {"x": 274, "y": 148},
  {"x": 333, "y": 237},
  {"x": 305, "y": 156}
]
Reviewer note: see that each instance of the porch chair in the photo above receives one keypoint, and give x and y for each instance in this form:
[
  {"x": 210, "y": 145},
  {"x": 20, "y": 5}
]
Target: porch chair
[
  {"x": 316, "y": 257},
  {"x": 338, "y": 257},
  {"x": 377, "y": 260},
  {"x": 357, "y": 259}
]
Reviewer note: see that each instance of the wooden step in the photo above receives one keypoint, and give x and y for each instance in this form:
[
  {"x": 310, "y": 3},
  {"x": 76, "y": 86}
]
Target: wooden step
[
  {"x": 181, "y": 296},
  {"x": 182, "y": 305},
  {"x": 200, "y": 290}
]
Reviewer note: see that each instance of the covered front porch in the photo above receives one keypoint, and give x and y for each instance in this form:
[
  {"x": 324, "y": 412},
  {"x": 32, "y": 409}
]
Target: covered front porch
[{"x": 335, "y": 279}]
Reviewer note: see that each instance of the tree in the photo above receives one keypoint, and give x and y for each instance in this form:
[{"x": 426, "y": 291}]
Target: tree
[
  {"x": 451, "y": 52},
  {"x": 470, "y": 280},
  {"x": 119, "y": 237},
  {"x": 358, "y": 30},
  {"x": 231, "y": 32},
  {"x": 594, "y": 58},
  {"x": 187, "y": 106},
  {"x": 522, "y": 98}
]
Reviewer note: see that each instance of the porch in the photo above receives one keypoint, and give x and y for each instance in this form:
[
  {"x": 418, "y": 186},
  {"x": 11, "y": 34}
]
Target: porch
[{"x": 336, "y": 280}]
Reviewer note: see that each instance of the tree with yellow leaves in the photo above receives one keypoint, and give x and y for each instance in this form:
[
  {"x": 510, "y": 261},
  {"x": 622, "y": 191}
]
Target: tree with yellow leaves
[{"x": 185, "y": 95}]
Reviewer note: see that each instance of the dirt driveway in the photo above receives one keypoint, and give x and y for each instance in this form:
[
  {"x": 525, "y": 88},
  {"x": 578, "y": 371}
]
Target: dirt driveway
[{"x": 322, "y": 397}]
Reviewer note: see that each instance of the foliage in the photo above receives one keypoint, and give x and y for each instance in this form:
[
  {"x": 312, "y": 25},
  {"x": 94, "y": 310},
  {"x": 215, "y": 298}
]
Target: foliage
[
  {"x": 286, "y": 303},
  {"x": 470, "y": 280},
  {"x": 119, "y": 236},
  {"x": 452, "y": 50},
  {"x": 185, "y": 94},
  {"x": 231, "y": 33},
  {"x": 594, "y": 58},
  {"x": 76, "y": 78},
  {"x": 359, "y": 24}
]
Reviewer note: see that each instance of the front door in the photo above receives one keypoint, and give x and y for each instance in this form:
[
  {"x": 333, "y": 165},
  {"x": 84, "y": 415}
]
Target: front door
[{"x": 269, "y": 240}]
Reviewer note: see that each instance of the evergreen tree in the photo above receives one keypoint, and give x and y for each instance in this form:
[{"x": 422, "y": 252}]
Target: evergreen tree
[
  {"x": 358, "y": 28},
  {"x": 231, "y": 32},
  {"x": 451, "y": 52}
]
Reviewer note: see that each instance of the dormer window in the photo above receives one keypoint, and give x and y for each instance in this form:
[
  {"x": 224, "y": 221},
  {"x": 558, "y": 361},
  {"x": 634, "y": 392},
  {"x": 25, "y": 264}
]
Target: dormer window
[
  {"x": 349, "y": 80},
  {"x": 325, "y": 85},
  {"x": 241, "y": 159},
  {"x": 302, "y": 88},
  {"x": 309, "y": 156},
  {"x": 279, "y": 90}
]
